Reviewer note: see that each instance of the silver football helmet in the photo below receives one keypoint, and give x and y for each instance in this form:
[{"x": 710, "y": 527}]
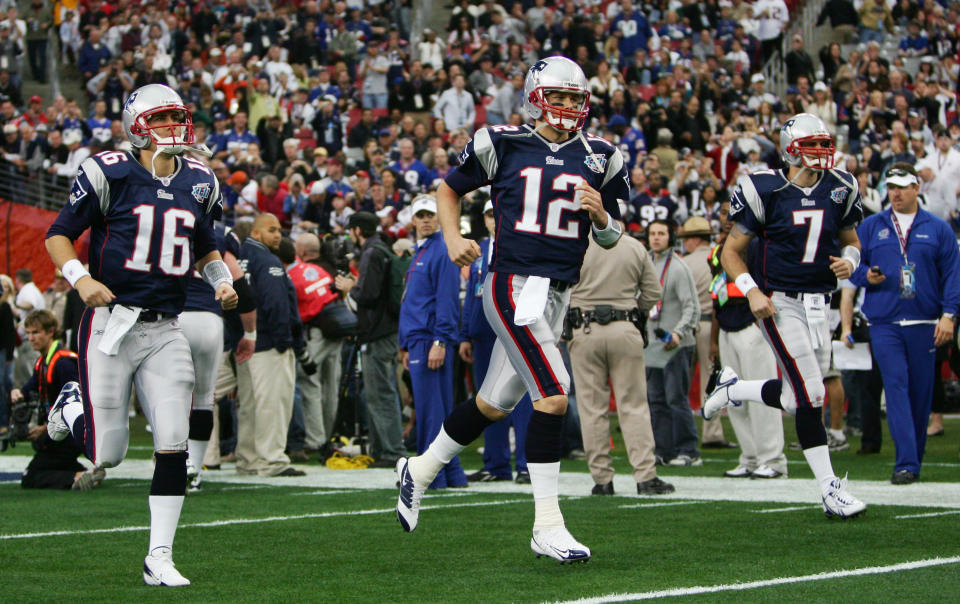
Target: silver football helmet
[
  {"x": 556, "y": 74},
  {"x": 805, "y": 141},
  {"x": 150, "y": 100}
]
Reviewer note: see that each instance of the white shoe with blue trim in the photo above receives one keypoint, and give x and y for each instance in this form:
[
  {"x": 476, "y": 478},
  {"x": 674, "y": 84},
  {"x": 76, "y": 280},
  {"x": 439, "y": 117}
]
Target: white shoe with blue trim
[
  {"x": 720, "y": 397},
  {"x": 559, "y": 544}
]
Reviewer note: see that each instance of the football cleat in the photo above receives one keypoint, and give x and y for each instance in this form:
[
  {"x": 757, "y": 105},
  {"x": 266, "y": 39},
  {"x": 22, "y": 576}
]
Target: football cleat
[
  {"x": 159, "y": 569},
  {"x": 720, "y": 396},
  {"x": 89, "y": 480},
  {"x": 836, "y": 443},
  {"x": 558, "y": 544},
  {"x": 193, "y": 477},
  {"x": 408, "y": 504},
  {"x": 837, "y": 501},
  {"x": 57, "y": 428}
]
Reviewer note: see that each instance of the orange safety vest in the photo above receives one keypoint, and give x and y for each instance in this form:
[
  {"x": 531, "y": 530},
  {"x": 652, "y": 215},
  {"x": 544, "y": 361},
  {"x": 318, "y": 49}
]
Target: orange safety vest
[{"x": 45, "y": 365}]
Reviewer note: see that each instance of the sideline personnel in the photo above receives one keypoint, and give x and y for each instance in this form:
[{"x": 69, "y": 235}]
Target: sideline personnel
[
  {"x": 911, "y": 302},
  {"x": 616, "y": 287}
]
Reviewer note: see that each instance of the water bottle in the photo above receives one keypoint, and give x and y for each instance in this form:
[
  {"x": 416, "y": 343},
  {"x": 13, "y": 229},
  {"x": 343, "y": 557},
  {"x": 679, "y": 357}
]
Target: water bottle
[{"x": 663, "y": 336}]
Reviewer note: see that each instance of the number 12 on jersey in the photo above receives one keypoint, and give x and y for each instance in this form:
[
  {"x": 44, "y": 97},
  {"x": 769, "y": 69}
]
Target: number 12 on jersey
[
  {"x": 529, "y": 219},
  {"x": 815, "y": 218}
]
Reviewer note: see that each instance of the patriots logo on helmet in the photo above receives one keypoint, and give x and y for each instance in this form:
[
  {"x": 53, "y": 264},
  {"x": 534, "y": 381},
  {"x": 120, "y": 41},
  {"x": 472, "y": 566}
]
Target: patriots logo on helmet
[
  {"x": 538, "y": 66},
  {"x": 839, "y": 194},
  {"x": 201, "y": 192},
  {"x": 131, "y": 99}
]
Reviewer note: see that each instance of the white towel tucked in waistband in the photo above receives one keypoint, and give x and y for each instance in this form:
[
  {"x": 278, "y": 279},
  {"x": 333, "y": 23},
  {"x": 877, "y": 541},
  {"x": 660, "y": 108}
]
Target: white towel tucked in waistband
[
  {"x": 532, "y": 301},
  {"x": 121, "y": 320}
]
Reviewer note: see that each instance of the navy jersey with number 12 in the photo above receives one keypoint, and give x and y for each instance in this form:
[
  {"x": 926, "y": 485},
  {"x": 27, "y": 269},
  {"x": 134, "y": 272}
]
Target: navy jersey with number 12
[
  {"x": 145, "y": 235},
  {"x": 540, "y": 229},
  {"x": 798, "y": 228}
]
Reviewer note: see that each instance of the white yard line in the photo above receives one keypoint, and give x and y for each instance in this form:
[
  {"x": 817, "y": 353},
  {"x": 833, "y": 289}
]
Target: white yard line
[
  {"x": 709, "y": 589},
  {"x": 791, "y": 509},
  {"x": 658, "y": 505},
  {"x": 232, "y": 521},
  {"x": 930, "y": 515}
]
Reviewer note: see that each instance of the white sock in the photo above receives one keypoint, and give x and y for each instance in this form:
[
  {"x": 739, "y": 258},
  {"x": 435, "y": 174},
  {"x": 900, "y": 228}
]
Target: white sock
[
  {"x": 818, "y": 458},
  {"x": 545, "y": 478},
  {"x": 424, "y": 468},
  {"x": 164, "y": 516},
  {"x": 196, "y": 449},
  {"x": 71, "y": 411},
  {"x": 747, "y": 390},
  {"x": 838, "y": 434}
]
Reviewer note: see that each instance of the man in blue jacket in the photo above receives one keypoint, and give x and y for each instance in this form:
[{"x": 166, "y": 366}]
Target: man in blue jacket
[
  {"x": 428, "y": 332},
  {"x": 476, "y": 346},
  {"x": 265, "y": 383},
  {"x": 909, "y": 267}
]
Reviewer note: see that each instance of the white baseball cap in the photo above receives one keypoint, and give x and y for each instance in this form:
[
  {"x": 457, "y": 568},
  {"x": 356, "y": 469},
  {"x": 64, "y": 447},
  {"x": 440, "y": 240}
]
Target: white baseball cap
[
  {"x": 424, "y": 202},
  {"x": 488, "y": 206},
  {"x": 757, "y": 77},
  {"x": 900, "y": 178}
]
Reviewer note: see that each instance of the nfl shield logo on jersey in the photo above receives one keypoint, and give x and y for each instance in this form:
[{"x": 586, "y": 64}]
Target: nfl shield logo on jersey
[
  {"x": 839, "y": 194},
  {"x": 596, "y": 162},
  {"x": 201, "y": 192}
]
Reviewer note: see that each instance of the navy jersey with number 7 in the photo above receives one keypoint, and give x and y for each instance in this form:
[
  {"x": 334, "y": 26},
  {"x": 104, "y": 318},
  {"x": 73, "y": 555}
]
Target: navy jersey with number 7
[
  {"x": 540, "y": 229},
  {"x": 145, "y": 235},
  {"x": 798, "y": 228}
]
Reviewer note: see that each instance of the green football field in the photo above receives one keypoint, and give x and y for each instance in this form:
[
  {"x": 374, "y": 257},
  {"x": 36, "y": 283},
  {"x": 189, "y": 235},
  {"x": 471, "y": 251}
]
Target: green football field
[{"x": 332, "y": 536}]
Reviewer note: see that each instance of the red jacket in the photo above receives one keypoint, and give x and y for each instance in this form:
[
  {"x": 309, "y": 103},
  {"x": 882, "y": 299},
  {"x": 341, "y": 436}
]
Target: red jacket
[
  {"x": 274, "y": 203},
  {"x": 724, "y": 164},
  {"x": 313, "y": 288}
]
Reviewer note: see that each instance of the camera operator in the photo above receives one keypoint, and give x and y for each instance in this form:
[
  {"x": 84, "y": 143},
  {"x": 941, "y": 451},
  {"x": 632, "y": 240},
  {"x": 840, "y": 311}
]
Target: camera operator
[
  {"x": 377, "y": 335},
  {"x": 54, "y": 466}
]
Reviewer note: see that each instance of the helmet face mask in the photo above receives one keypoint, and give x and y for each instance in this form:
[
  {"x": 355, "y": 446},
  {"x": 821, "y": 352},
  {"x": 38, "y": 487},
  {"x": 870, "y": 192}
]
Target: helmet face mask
[
  {"x": 556, "y": 74},
  {"x": 806, "y": 142},
  {"x": 152, "y": 101}
]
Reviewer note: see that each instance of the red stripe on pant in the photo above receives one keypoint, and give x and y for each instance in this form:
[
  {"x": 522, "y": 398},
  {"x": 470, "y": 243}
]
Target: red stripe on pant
[
  {"x": 530, "y": 349},
  {"x": 787, "y": 362}
]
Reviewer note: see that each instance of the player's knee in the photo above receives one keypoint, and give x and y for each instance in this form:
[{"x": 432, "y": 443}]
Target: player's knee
[
  {"x": 113, "y": 448},
  {"x": 489, "y": 411},
  {"x": 816, "y": 392},
  {"x": 788, "y": 401},
  {"x": 554, "y": 405}
]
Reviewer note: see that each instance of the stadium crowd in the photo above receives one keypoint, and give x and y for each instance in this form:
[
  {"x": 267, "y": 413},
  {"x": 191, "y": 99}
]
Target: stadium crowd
[{"x": 317, "y": 111}]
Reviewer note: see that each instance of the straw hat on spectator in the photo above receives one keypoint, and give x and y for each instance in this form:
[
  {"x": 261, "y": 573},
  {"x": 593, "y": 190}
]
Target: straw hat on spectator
[{"x": 696, "y": 226}]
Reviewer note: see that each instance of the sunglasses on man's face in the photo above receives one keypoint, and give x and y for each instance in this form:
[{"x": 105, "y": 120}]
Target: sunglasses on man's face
[{"x": 896, "y": 172}]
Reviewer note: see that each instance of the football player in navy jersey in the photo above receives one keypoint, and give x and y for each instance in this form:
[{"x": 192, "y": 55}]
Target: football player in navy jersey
[
  {"x": 805, "y": 219},
  {"x": 151, "y": 223},
  {"x": 552, "y": 186},
  {"x": 202, "y": 322}
]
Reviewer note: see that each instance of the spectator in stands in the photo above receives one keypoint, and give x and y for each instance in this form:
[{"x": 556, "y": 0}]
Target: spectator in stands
[
  {"x": 915, "y": 43},
  {"x": 875, "y": 17},
  {"x": 455, "y": 106},
  {"x": 93, "y": 55},
  {"x": 798, "y": 61},
  {"x": 39, "y": 17},
  {"x": 844, "y": 21},
  {"x": 73, "y": 140},
  {"x": 373, "y": 71}
]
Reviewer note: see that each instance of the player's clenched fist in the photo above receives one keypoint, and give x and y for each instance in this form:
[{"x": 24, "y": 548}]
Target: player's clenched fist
[
  {"x": 463, "y": 251},
  {"x": 760, "y": 304},
  {"x": 93, "y": 293},
  {"x": 841, "y": 267},
  {"x": 591, "y": 201},
  {"x": 227, "y": 296}
]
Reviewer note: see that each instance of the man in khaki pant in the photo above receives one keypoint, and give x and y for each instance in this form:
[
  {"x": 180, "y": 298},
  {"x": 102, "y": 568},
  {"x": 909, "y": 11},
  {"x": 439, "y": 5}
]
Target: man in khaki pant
[
  {"x": 265, "y": 382},
  {"x": 607, "y": 349},
  {"x": 696, "y": 234}
]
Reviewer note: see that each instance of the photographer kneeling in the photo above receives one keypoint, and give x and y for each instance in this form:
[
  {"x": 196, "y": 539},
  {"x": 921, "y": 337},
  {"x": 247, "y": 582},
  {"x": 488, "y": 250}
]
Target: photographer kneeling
[{"x": 54, "y": 466}]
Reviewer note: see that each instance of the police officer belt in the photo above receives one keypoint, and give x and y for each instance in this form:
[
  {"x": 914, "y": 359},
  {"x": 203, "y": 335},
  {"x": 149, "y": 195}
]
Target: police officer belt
[{"x": 605, "y": 314}]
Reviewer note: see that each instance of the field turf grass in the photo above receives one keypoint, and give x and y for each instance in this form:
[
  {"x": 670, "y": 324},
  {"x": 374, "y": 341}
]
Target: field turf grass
[{"x": 269, "y": 541}]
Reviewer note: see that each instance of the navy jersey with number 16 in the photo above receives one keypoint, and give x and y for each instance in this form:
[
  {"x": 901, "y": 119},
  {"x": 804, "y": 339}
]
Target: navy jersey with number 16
[
  {"x": 145, "y": 235},
  {"x": 798, "y": 228},
  {"x": 540, "y": 229}
]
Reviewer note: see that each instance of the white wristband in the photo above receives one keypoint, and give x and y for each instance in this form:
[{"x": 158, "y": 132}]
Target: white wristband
[
  {"x": 745, "y": 283},
  {"x": 250, "y": 335},
  {"x": 73, "y": 271},
  {"x": 216, "y": 272},
  {"x": 852, "y": 254}
]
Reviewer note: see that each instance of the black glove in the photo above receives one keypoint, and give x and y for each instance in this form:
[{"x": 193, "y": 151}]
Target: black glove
[{"x": 308, "y": 365}]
